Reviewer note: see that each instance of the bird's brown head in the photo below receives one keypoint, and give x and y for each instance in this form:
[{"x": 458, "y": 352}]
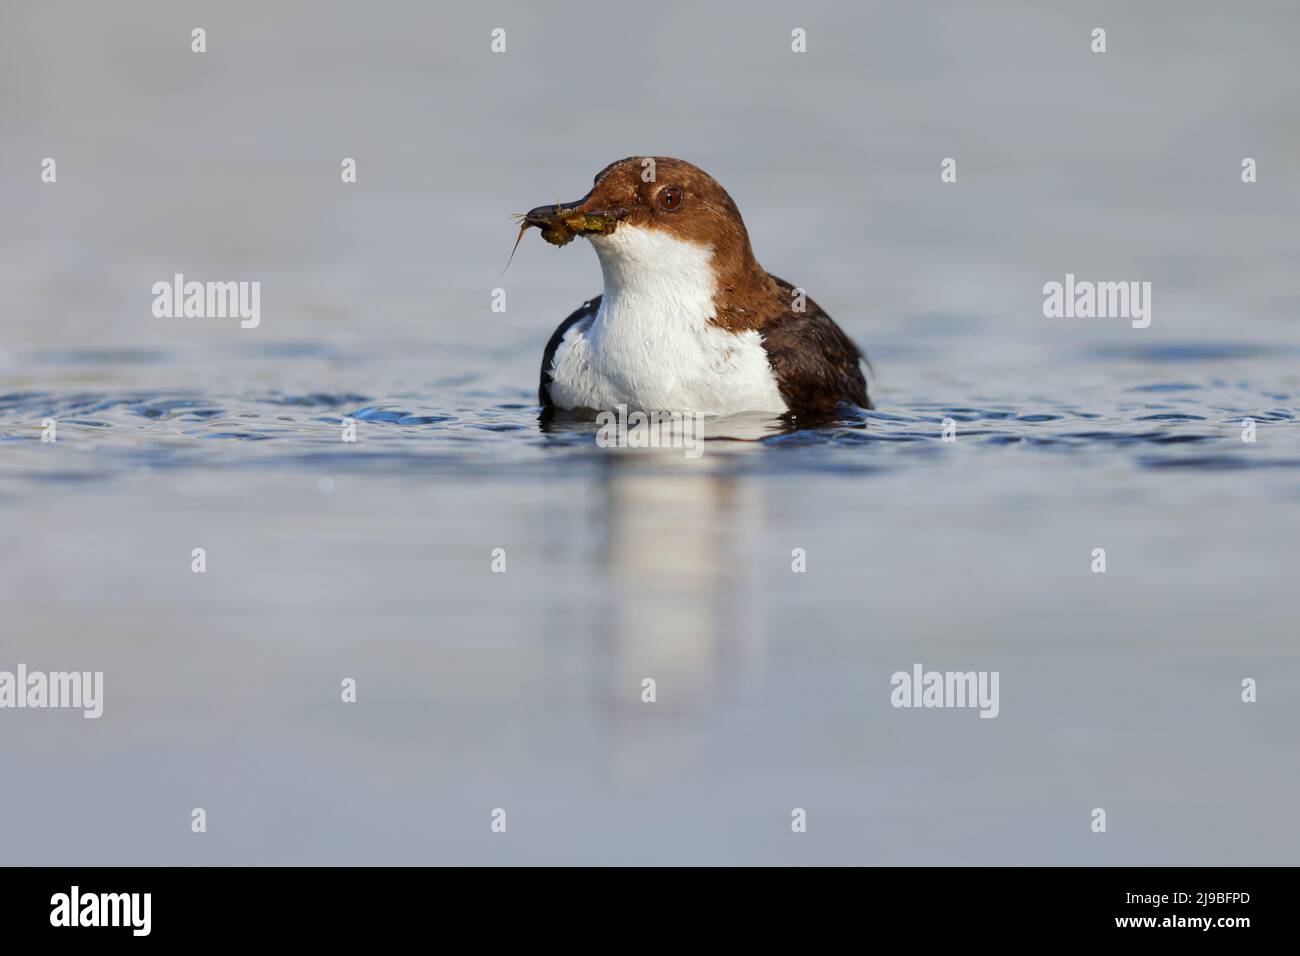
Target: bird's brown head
[{"x": 654, "y": 193}]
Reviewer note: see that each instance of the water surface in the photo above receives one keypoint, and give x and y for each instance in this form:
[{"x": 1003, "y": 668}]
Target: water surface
[{"x": 522, "y": 690}]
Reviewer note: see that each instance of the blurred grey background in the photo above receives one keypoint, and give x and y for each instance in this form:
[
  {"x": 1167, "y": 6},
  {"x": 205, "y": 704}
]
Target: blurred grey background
[{"x": 522, "y": 690}]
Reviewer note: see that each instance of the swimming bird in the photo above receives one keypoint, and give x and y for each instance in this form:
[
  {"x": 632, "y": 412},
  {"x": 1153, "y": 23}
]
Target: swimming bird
[{"x": 688, "y": 320}]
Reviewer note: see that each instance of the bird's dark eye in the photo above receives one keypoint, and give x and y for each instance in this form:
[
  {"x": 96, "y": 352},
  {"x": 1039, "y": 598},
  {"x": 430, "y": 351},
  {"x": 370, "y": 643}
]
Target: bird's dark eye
[{"x": 670, "y": 197}]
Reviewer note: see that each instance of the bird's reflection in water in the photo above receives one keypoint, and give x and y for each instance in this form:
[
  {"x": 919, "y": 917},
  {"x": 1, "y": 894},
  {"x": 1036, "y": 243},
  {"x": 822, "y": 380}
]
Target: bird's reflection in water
[
  {"x": 680, "y": 564},
  {"x": 673, "y": 592}
]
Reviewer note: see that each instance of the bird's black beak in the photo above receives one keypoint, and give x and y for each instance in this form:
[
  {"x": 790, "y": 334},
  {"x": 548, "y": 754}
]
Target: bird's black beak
[
  {"x": 547, "y": 217},
  {"x": 559, "y": 223}
]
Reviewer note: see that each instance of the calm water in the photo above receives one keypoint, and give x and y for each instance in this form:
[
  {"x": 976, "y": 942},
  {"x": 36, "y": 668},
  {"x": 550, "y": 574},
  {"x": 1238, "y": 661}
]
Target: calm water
[{"x": 522, "y": 690}]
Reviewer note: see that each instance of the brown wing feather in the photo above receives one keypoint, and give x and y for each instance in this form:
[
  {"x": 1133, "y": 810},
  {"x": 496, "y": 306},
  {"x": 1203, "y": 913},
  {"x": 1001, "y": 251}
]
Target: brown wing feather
[{"x": 816, "y": 364}]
